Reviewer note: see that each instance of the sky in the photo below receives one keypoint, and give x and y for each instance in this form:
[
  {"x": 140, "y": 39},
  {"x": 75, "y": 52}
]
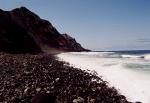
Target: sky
[{"x": 96, "y": 24}]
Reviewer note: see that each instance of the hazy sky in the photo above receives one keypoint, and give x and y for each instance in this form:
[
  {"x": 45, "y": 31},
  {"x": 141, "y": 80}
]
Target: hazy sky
[{"x": 96, "y": 24}]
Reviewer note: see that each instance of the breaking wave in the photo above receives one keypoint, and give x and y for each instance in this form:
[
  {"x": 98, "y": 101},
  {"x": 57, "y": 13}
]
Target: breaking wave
[
  {"x": 127, "y": 71},
  {"x": 112, "y": 55}
]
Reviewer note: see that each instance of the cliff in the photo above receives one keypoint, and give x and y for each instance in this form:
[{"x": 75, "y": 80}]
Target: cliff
[{"x": 22, "y": 31}]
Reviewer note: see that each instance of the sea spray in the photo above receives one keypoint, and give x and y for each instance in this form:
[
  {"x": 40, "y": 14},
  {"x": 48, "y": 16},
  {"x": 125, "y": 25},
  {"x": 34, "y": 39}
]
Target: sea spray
[{"x": 128, "y": 72}]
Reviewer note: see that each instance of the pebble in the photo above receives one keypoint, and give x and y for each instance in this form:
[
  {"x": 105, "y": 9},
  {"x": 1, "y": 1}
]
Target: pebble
[
  {"x": 23, "y": 76},
  {"x": 48, "y": 92},
  {"x": 38, "y": 89},
  {"x": 25, "y": 91},
  {"x": 57, "y": 79},
  {"x": 78, "y": 100}
]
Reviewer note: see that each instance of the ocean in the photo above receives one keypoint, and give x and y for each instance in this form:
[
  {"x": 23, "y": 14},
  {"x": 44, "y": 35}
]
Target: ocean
[{"x": 127, "y": 71}]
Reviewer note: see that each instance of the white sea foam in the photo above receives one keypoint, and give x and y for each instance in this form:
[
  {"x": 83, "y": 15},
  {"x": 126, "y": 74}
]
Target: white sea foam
[
  {"x": 147, "y": 57},
  {"x": 130, "y": 76},
  {"x": 132, "y": 56}
]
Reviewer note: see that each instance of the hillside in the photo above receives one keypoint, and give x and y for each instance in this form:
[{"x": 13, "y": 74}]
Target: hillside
[{"x": 22, "y": 31}]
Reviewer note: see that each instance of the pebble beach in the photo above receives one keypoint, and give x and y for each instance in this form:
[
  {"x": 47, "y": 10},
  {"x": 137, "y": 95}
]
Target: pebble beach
[{"x": 24, "y": 78}]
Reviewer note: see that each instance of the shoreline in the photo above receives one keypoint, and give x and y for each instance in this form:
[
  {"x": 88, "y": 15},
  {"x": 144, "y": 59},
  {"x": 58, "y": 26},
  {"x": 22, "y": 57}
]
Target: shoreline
[
  {"x": 111, "y": 74},
  {"x": 24, "y": 76}
]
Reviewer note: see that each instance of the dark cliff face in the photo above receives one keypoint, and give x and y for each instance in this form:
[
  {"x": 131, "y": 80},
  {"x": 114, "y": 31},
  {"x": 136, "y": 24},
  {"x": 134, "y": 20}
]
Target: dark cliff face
[
  {"x": 13, "y": 38},
  {"x": 22, "y": 31},
  {"x": 72, "y": 44}
]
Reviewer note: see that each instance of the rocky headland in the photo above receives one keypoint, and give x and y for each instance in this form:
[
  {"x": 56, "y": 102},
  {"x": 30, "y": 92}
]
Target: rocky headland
[{"x": 22, "y": 31}]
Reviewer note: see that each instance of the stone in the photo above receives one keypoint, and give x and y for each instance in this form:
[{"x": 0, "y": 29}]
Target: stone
[
  {"x": 57, "y": 79},
  {"x": 38, "y": 89},
  {"x": 78, "y": 100},
  {"x": 26, "y": 90}
]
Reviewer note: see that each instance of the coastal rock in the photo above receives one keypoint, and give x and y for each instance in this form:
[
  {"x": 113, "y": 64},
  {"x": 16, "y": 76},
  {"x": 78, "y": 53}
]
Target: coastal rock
[
  {"x": 57, "y": 79},
  {"x": 38, "y": 89},
  {"x": 91, "y": 100},
  {"x": 22, "y": 31},
  {"x": 78, "y": 100},
  {"x": 44, "y": 98},
  {"x": 14, "y": 38},
  {"x": 73, "y": 85}
]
